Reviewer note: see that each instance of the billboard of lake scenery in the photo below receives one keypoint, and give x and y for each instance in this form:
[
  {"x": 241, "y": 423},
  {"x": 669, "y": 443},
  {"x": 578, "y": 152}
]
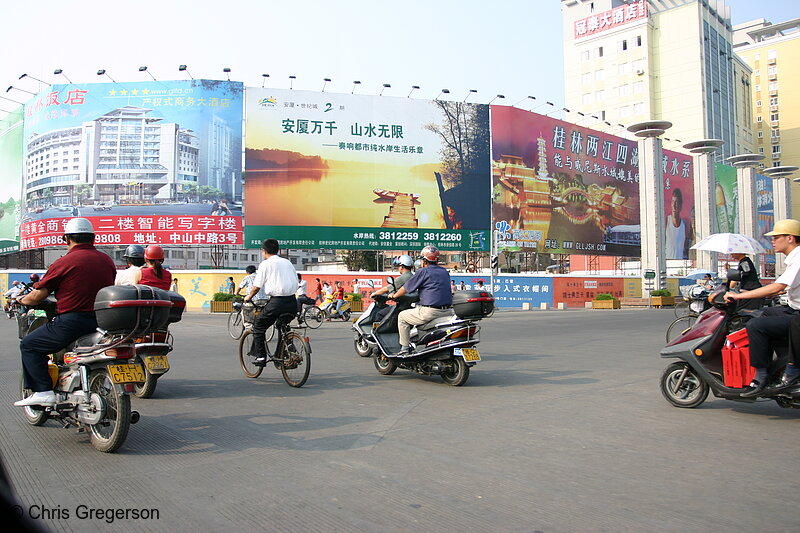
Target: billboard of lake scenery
[
  {"x": 150, "y": 162},
  {"x": 562, "y": 188},
  {"x": 365, "y": 172},
  {"x": 10, "y": 180}
]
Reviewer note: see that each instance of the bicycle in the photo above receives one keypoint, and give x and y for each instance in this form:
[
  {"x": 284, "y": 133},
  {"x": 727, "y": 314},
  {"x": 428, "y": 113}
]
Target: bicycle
[
  {"x": 680, "y": 325},
  {"x": 241, "y": 319},
  {"x": 314, "y": 316},
  {"x": 292, "y": 353}
]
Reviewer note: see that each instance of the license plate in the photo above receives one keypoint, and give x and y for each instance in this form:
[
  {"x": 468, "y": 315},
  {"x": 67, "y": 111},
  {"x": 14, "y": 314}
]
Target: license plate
[
  {"x": 130, "y": 373},
  {"x": 469, "y": 354},
  {"x": 156, "y": 363}
]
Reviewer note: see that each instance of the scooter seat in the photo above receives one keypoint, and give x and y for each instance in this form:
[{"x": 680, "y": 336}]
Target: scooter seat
[{"x": 435, "y": 322}]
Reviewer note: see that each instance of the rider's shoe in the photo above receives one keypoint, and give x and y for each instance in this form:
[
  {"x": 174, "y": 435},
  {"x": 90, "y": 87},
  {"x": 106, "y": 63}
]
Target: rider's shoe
[
  {"x": 260, "y": 361},
  {"x": 405, "y": 352},
  {"x": 754, "y": 389},
  {"x": 45, "y": 398},
  {"x": 786, "y": 382}
]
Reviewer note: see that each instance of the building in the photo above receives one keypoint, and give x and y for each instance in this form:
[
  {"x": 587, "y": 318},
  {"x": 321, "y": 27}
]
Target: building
[
  {"x": 627, "y": 61},
  {"x": 124, "y": 156},
  {"x": 772, "y": 51}
]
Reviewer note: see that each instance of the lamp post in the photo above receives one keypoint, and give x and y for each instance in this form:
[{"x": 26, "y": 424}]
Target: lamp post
[
  {"x": 144, "y": 69},
  {"x": 471, "y": 91},
  {"x": 781, "y": 201},
  {"x": 18, "y": 89},
  {"x": 651, "y": 196},
  {"x": 705, "y": 206},
  {"x": 58, "y": 71},
  {"x": 291, "y": 82},
  {"x": 102, "y": 72},
  {"x": 443, "y": 91},
  {"x": 544, "y": 104},
  {"x": 355, "y": 84},
  {"x": 385, "y": 86},
  {"x": 264, "y": 79},
  {"x": 413, "y": 88},
  {"x": 37, "y": 79},
  {"x": 324, "y": 83},
  {"x": 496, "y": 97},
  {"x": 227, "y": 72},
  {"x": 746, "y": 203},
  {"x": 526, "y": 98},
  {"x": 182, "y": 68}
]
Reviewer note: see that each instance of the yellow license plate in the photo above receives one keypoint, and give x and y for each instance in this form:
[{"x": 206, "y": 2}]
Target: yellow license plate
[
  {"x": 470, "y": 354},
  {"x": 156, "y": 363},
  {"x": 129, "y": 373}
]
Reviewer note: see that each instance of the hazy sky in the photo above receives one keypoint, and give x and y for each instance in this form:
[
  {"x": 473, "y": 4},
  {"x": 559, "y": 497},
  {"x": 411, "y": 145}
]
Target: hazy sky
[{"x": 513, "y": 47}]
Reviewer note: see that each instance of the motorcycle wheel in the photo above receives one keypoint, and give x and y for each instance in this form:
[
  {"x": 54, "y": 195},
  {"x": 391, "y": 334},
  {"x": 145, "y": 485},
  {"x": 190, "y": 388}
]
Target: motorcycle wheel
[
  {"x": 384, "y": 365},
  {"x": 110, "y": 432},
  {"x": 459, "y": 373},
  {"x": 361, "y": 346},
  {"x": 246, "y": 361},
  {"x": 296, "y": 363},
  {"x": 313, "y": 317},
  {"x": 693, "y": 390},
  {"x": 145, "y": 390},
  {"x": 35, "y": 417},
  {"x": 346, "y": 316}
]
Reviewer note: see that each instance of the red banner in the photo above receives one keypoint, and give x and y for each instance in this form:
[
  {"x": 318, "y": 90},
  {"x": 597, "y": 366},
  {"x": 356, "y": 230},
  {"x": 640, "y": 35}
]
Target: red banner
[
  {"x": 123, "y": 230},
  {"x": 610, "y": 19}
]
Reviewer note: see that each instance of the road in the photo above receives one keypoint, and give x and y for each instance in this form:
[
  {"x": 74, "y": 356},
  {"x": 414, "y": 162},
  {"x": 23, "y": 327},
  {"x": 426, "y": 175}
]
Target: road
[{"x": 561, "y": 428}]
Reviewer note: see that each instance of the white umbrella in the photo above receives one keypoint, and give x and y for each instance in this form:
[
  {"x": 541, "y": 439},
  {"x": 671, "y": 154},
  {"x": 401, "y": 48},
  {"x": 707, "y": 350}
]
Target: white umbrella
[
  {"x": 700, "y": 273},
  {"x": 730, "y": 243}
]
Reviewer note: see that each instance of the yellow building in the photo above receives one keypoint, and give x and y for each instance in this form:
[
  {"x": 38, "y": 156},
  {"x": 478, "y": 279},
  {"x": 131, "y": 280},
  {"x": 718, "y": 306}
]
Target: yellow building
[{"x": 773, "y": 53}]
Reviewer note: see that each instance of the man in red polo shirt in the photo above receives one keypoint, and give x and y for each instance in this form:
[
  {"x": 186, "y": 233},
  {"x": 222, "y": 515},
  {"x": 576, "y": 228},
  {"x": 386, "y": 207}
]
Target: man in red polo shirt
[{"x": 75, "y": 279}]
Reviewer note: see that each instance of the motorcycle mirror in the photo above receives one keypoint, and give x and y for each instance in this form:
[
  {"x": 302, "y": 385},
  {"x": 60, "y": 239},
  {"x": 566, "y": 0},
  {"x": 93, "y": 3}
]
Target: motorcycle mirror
[{"x": 390, "y": 280}]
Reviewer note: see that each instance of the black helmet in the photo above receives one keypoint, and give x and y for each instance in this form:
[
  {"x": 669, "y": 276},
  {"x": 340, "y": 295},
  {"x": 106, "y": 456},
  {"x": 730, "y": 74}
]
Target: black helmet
[{"x": 134, "y": 251}]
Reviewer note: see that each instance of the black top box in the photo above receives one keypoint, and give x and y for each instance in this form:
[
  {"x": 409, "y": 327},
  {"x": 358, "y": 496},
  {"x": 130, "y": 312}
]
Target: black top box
[
  {"x": 132, "y": 308},
  {"x": 473, "y": 305}
]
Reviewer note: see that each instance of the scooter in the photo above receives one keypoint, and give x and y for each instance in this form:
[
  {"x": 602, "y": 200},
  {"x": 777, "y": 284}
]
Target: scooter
[
  {"x": 328, "y": 308},
  {"x": 95, "y": 375},
  {"x": 369, "y": 319},
  {"x": 712, "y": 357},
  {"x": 443, "y": 347}
]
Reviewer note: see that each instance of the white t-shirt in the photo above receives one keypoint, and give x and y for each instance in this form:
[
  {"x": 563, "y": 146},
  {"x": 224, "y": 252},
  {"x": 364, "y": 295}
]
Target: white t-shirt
[
  {"x": 791, "y": 278},
  {"x": 276, "y": 276},
  {"x": 127, "y": 276},
  {"x": 302, "y": 288},
  {"x": 675, "y": 240},
  {"x": 13, "y": 291}
]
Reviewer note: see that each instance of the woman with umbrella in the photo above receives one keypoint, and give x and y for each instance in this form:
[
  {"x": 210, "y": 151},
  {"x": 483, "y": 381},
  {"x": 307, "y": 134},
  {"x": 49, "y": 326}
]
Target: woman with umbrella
[{"x": 749, "y": 281}]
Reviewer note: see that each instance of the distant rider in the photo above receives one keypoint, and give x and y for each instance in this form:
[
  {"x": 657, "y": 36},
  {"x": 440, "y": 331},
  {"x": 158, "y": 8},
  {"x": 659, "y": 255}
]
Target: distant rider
[
  {"x": 404, "y": 265},
  {"x": 302, "y": 296},
  {"x": 134, "y": 257},
  {"x": 153, "y": 273},
  {"x": 75, "y": 278}
]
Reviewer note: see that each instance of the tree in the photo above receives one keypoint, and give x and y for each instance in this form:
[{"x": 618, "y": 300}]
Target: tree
[
  {"x": 464, "y": 132},
  {"x": 82, "y": 192},
  {"x": 360, "y": 259}
]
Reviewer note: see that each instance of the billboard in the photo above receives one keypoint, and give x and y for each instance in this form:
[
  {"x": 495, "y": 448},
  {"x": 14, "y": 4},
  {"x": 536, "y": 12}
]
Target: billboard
[
  {"x": 364, "y": 172},
  {"x": 765, "y": 215},
  {"x": 726, "y": 194},
  {"x": 10, "y": 180},
  {"x": 151, "y": 162},
  {"x": 562, "y": 188}
]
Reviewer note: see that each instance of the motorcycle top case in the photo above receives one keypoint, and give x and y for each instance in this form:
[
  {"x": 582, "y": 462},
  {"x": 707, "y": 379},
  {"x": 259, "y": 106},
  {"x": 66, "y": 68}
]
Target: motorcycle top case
[
  {"x": 178, "y": 304},
  {"x": 132, "y": 308},
  {"x": 473, "y": 305}
]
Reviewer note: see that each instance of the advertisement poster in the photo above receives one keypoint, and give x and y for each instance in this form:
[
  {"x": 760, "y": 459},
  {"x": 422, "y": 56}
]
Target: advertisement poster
[
  {"x": 726, "y": 196},
  {"x": 10, "y": 180},
  {"x": 562, "y": 188},
  {"x": 151, "y": 162},
  {"x": 765, "y": 215},
  {"x": 365, "y": 172}
]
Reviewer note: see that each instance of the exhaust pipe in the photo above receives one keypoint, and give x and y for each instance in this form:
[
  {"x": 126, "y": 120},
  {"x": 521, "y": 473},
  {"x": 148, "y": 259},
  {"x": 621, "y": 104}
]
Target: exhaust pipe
[{"x": 135, "y": 417}]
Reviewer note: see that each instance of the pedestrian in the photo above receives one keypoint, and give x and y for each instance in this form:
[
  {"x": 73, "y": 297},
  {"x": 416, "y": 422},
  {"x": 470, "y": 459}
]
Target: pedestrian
[
  {"x": 174, "y": 286},
  {"x": 230, "y": 286},
  {"x": 453, "y": 287},
  {"x": 318, "y": 290}
]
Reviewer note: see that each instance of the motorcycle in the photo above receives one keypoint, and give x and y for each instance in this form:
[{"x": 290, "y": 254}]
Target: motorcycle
[
  {"x": 328, "y": 310},
  {"x": 713, "y": 357},
  {"x": 443, "y": 347},
  {"x": 366, "y": 322},
  {"x": 95, "y": 375}
]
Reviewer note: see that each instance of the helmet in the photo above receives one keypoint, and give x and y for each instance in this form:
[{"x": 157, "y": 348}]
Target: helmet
[
  {"x": 134, "y": 251},
  {"x": 34, "y": 277},
  {"x": 154, "y": 252},
  {"x": 404, "y": 260},
  {"x": 78, "y": 225},
  {"x": 418, "y": 264},
  {"x": 430, "y": 253},
  {"x": 15, "y": 282}
]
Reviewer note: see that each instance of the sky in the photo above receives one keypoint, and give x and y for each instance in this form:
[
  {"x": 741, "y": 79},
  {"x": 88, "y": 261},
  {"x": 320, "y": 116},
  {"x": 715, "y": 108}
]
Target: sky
[{"x": 508, "y": 47}]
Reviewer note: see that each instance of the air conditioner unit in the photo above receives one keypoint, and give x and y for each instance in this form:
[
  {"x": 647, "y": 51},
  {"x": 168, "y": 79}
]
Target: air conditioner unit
[{"x": 639, "y": 72}]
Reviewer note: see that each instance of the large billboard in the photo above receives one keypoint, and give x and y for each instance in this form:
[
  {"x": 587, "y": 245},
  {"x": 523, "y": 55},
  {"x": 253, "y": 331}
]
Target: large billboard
[
  {"x": 10, "y": 180},
  {"x": 151, "y": 162},
  {"x": 364, "y": 172},
  {"x": 765, "y": 215},
  {"x": 726, "y": 193},
  {"x": 562, "y": 188}
]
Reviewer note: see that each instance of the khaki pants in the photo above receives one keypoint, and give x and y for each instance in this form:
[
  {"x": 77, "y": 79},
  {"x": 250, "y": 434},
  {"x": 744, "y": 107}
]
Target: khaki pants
[{"x": 415, "y": 317}]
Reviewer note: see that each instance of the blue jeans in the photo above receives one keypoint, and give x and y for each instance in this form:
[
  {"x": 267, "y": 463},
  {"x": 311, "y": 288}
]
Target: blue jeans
[
  {"x": 339, "y": 304},
  {"x": 50, "y": 338}
]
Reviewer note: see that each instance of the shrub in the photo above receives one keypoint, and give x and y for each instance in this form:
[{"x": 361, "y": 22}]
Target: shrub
[
  {"x": 604, "y": 296},
  {"x": 660, "y": 292},
  {"x": 354, "y": 296},
  {"x": 222, "y": 297}
]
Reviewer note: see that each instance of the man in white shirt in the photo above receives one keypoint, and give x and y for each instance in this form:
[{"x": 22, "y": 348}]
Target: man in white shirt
[
  {"x": 278, "y": 279},
  {"x": 302, "y": 296},
  {"x": 134, "y": 256},
  {"x": 771, "y": 329},
  {"x": 12, "y": 293},
  {"x": 247, "y": 281}
]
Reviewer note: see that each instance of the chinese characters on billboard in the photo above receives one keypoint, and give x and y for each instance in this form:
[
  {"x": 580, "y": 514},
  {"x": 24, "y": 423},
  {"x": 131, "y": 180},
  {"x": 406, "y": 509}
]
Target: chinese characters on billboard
[
  {"x": 561, "y": 188},
  {"x": 147, "y": 162},
  {"x": 10, "y": 180},
  {"x": 362, "y": 172}
]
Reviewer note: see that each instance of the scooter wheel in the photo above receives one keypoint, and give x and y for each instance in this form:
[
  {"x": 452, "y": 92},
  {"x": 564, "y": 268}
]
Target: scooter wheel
[
  {"x": 362, "y": 347},
  {"x": 689, "y": 392},
  {"x": 384, "y": 365}
]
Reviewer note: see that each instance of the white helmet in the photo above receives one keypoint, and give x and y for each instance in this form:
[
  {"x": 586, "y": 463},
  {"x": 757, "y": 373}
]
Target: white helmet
[
  {"x": 78, "y": 225},
  {"x": 404, "y": 260}
]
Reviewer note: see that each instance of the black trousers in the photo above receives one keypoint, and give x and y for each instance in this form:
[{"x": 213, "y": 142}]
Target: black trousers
[
  {"x": 50, "y": 338},
  {"x": 794, "y": 340},
  {"x": 769, "y": 331},
  {"x": 276, "y": 306}
]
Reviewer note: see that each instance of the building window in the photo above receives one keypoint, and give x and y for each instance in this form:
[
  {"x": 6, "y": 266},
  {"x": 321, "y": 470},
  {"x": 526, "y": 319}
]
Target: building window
[
  {"x": 599, "y": 96},
  {"x": 775, "y": 133},
  {"x": 773, "y": 100},
  {"x": 760, "y": 134},
  {"x": 772, "y": 54},
  {"x": 638, "y": 108},
  {"x": 773, "y": 117},
  {"x": 776, "y": 149},
  {"x": 599, "y": 51},
  {"x": 624, "y": 111},
  {"x": 758, "y": 103},
  {"x": 586, "y": 98},
  {"x": 598, "y": 75},
  {"x": 638, "y": 40},
  {"x": 586, "y": 77},
  {"x": 622, "y": 45},
  {"x": 624, "y": 90},
  {"x": 758, "y": 88},
  {"x": 773, "y": 86},
  {"x": 759, "y": 119},
  {"x": 772, "y": 70},
  {"x": 585, "y": 55},
  {"x": 622, "y": 68},
  {"x": 761, "y": 150},
  {"x": 638, "y": 87}
]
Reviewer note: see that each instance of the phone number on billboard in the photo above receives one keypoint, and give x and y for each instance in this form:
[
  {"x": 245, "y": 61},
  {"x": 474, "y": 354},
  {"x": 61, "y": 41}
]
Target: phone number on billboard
[{"x": 413, "y": 236}]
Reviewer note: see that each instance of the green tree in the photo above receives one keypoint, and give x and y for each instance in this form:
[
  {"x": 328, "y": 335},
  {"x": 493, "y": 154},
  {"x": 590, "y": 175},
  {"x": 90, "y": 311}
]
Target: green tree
[
  {"x": 360, "y": 259},
  {"x": 82, "y": 192}
]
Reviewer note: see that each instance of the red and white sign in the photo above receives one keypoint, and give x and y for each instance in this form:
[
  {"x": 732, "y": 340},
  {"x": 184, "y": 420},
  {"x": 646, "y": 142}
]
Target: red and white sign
[
  {"x": 151, "y": 229},
  {"x": 610, "y": 19}
]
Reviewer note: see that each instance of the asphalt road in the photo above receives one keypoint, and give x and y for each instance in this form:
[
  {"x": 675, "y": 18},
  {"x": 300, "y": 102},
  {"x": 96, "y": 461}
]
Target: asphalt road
[{"x": 561, "y": 428}]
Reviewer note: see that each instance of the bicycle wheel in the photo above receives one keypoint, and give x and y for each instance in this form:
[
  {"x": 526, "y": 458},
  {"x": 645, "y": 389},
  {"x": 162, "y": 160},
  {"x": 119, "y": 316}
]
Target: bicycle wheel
[
  {"x": 313, "y": 317},
  {"x": 296, "y": 359},
  {"x": 682, "y": 308},
  {"x": 235, "y": 325},
  {"x": 247, "y": 361},
  {"x": 679, "y": 325}
]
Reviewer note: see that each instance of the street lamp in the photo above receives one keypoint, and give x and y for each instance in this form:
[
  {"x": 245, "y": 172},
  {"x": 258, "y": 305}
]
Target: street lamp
[
  {"x": 385, "y": 86},
  {"x": 444, "y": 91},
  {"x": 356, "y": 82},
  {"x": 144, "y": 69},
  {"x": 413, "y": 88},
  {"x": 17, "y": 88},
  {"x": 182, "y": 68},
  {"x": 469, "y": 93},
  {"x": 102, "y": 72},
  {"x": 544, "y": 104},
  {"x": 227, "y": 72},
  {"x": 495, "y": 98},
  {"x": 325, "y": 82},
  {"x": 291, "y": 82},
  {"x": 264, "y": 79},
  {"x": 31, "y": 77},
  {"x": 526, "y": 98},
  {"x": 58, "y": 71}
]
